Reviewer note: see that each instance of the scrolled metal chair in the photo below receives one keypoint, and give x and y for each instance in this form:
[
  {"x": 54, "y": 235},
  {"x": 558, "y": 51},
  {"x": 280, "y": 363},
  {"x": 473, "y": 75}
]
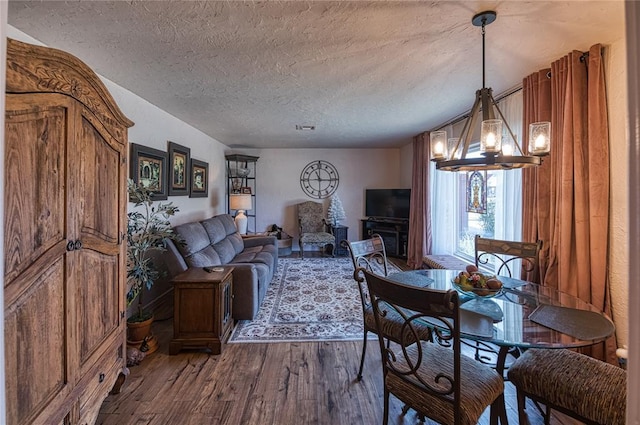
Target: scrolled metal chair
[
  {"x": 437, "y": 382},
  {"x": 370, "y": 254},
  {"x": 505, "y": 253}
]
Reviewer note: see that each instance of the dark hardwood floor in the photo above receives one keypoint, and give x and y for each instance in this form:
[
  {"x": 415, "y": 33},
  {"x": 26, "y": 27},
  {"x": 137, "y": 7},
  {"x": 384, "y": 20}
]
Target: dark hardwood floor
[{"x": 278, "y": 383}]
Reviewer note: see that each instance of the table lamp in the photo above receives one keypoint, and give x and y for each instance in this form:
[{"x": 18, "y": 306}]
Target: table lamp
[{"x": 240, "y": 202}]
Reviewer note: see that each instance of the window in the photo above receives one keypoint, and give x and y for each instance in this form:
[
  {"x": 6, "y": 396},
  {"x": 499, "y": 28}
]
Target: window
[{"x": 453, "y": 226}]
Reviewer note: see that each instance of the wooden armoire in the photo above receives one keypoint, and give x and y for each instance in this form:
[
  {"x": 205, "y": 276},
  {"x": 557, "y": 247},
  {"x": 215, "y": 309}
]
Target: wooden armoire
[{"x": 64, "y": 222}]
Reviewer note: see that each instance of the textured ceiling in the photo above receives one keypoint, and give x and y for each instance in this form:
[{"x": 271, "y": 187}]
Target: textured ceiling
[{"x": 364, "y": 73}]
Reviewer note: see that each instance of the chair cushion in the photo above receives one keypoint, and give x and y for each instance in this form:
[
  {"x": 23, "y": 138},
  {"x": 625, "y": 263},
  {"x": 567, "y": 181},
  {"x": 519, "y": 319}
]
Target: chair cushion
[
  {"x": 480, "y": 385},
  {"x": 317, "y": 238},
  {"x": 591, "y": 388},
  {"x": 392, "y": 325}
]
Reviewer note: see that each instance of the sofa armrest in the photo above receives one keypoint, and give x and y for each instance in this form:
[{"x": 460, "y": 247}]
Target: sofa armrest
[
  {"x": 246, "y": 299},
  {"x": 260, "y": 240}
]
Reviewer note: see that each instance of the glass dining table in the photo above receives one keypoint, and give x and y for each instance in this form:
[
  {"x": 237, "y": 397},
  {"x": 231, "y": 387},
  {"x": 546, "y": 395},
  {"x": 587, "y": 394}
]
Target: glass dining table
[{"x": 521, "y": 315}]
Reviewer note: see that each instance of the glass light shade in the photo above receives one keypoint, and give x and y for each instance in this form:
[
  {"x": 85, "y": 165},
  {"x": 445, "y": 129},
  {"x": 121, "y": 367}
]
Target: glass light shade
[
  {"x": 438, "y": 142},
  {"x": 539, "y": 138},
  {"x": 491, "y": 136},
  {"x": 452, "y": 143},
  {"x": 508, "y": 146},
  {"x": 240, "y": 201}
]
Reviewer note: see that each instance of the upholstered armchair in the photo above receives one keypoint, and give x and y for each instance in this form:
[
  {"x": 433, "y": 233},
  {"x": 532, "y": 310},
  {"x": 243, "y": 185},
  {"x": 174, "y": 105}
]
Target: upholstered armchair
[{"x": 312, "y": 227}]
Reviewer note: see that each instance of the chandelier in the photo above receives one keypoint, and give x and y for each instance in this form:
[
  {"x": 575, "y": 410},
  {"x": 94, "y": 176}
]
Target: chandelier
[{"x": 497, "y": 152}]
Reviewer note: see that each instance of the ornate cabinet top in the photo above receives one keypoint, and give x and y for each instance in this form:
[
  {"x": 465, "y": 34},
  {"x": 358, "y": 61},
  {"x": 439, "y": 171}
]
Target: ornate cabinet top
[{"x": 37, "y": 69}]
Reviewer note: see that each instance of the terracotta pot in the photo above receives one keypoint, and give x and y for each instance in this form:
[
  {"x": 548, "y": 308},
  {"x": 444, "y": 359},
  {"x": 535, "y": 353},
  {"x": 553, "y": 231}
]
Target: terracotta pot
[{"x": 137, "y": 331}]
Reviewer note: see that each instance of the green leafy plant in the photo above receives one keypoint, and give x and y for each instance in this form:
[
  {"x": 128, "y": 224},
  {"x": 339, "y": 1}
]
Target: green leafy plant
[{"x": 148, "y": 229}]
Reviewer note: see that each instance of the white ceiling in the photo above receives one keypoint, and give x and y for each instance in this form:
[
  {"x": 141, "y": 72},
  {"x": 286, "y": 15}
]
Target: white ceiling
[{"x": 368, "y": 74}]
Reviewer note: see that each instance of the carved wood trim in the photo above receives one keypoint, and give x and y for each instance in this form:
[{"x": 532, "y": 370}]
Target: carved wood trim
[{"x": 36, "y": 69}]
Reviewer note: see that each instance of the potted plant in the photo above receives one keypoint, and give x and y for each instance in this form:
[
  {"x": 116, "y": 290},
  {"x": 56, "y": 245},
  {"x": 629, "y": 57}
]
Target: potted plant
[{"x": 148, "y": 229}]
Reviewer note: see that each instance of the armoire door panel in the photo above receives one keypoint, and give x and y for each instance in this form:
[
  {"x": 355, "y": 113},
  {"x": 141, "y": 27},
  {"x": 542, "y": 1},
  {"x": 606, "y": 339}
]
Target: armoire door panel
[
  {"x": 98, "y": 293},
  {"x": 36, "y": 328},
  {"x": 35, "y": 180},
  {"x": 101, "y": 185}
]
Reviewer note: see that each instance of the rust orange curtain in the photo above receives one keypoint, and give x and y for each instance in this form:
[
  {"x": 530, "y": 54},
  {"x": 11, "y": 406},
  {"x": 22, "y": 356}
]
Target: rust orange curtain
[
  {"x": 566, "y": 201},
  {"x": 419, "y": 242}
]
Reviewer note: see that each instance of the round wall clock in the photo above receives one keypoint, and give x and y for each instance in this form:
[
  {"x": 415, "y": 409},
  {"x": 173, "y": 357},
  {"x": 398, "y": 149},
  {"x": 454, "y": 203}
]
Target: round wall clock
[{"x": 319, "y": 179}]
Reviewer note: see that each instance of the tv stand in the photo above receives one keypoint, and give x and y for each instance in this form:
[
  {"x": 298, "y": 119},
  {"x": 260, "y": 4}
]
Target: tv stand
[{"x": 394, "y": 233}]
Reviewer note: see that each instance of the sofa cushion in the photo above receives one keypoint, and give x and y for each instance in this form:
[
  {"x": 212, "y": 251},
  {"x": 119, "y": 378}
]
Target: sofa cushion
[
  {"x": 215, "y": 229},
  {"x": 194, "y": 236},
  {"x": 206, "y": 257},
  {"x": 254, "y": 256},
  {"x": 225, "y": 250},
  {"x": 196, "y": 249},
  {"x": 222, "y": 231},
  {"x": 237, "y": 242}
]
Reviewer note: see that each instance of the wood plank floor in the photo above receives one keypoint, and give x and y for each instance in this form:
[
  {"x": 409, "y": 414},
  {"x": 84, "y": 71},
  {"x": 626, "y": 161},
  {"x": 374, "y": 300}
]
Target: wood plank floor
[{"x": 280, "y": 383}]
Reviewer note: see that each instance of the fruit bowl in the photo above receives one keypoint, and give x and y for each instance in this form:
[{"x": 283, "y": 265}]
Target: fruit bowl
[
  {"x": 473, "y": 283},
  {"x": 476, "y": 292}
]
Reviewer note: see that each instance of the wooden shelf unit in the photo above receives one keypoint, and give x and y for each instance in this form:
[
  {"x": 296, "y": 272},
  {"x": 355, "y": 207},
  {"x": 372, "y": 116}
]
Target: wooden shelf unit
[{"x": 235, "y": 184}]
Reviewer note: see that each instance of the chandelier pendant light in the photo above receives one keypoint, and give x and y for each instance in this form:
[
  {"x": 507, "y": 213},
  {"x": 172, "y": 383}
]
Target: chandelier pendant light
[{"x": 497, "y": 154}]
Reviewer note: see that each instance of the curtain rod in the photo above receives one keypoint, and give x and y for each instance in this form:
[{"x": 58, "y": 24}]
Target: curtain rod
[
  {"x": 583, "y": 59},
  {"x": 465, "y": 115}
]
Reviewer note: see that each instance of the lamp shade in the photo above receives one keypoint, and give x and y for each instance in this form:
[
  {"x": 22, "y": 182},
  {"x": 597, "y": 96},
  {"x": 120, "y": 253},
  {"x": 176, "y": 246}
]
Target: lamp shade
[
  {"x": 539, "y": 138},
  {"x": 438, "y": 143},
  {"x": 240, "y": 201}
]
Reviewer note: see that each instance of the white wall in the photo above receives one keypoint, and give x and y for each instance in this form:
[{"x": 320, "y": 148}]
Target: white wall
[
  {"x": 616, "y": 80},
  {"x": 278, "y": 187}
]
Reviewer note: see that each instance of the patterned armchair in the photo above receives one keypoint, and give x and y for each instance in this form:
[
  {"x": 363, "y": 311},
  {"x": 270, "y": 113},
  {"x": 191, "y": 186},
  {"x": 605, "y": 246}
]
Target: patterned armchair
[{"x": 312, "y": 227}]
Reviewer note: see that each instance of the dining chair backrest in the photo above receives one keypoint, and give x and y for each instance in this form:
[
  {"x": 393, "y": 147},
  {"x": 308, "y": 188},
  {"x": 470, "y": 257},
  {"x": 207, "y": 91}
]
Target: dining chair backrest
[
  {"x": 369, "y": 254},
  {"x": 505, "y": 254},
  {"x": 408, "y": 365}
]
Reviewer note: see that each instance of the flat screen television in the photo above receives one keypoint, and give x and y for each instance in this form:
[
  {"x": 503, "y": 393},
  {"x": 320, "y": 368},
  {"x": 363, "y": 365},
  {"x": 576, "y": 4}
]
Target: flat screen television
[{"x": 388, "y": 203}]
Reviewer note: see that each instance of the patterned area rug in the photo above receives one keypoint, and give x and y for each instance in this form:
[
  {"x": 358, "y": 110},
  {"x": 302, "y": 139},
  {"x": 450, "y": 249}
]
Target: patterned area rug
[{"x": 309, "y": 299}]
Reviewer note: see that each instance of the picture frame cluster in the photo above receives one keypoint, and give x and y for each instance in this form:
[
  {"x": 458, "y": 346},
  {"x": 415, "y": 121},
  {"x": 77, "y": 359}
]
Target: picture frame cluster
[{"x": 170, "y": 173}]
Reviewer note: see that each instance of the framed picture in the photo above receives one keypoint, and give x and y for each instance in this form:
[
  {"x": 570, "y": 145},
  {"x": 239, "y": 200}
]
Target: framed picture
[
  {"x": 199, "y": 179},
  {"x": 148, "y": 167},
  {"x": 179, "y": 157},
  {"x": 245, "y": 190}
]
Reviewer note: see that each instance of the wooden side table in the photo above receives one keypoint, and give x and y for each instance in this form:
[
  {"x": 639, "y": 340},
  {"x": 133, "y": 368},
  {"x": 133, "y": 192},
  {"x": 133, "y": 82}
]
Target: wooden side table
[{"x": 202, "y": 309}]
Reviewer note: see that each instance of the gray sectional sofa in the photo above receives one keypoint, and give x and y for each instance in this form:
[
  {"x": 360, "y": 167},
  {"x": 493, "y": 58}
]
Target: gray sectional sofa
[{"x": 215, "y": 241}]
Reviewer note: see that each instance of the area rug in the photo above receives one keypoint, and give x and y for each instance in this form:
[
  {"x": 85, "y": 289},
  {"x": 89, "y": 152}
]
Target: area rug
[{"x": 309, "y": 299}]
